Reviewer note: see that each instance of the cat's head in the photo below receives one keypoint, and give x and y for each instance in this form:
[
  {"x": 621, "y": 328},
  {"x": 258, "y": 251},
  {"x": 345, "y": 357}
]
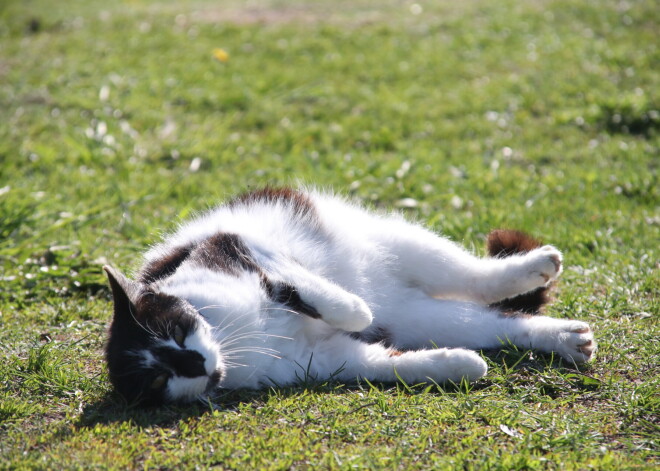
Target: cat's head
[{"x": 159, "y": 348}]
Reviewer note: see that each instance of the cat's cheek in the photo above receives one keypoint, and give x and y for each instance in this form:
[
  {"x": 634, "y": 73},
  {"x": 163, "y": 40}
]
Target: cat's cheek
[{"x": 202, "y": 342}]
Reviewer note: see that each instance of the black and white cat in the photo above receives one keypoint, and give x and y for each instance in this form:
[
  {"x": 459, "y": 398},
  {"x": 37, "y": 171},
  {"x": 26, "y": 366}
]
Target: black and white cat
[{"x": 281, "y": 284}]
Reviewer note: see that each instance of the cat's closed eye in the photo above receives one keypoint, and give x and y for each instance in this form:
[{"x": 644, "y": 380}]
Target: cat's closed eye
[
  {"x": 179, "y": 336},
  {"x": 160, "y": 381}
]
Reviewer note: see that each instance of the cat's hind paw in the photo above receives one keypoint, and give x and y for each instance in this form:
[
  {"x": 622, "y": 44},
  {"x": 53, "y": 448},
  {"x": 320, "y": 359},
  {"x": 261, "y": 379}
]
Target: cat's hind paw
[
  {"x": 576, "y": 342},
  {"x": 522, "y": 274},
  {"x": 544, "y": 264}
]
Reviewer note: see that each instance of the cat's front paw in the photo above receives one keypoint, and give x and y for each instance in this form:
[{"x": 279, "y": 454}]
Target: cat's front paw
[
  {"x": 441, "y": 365},
  {"x": 359, "y": 315},
  {"x": 346, "y": 312},
  {"x": 465, "y": 364}
]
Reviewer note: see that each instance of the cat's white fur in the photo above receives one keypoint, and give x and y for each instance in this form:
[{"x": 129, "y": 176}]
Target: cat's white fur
[{"x": 356, "y": 268}]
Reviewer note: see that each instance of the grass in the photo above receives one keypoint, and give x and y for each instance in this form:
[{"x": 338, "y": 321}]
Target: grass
[{"x": 116, "y": 121}]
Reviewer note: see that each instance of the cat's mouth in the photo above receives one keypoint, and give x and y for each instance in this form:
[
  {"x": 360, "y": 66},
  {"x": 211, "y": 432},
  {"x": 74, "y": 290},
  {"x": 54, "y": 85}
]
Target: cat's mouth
[{"x": 214, "y": 379}]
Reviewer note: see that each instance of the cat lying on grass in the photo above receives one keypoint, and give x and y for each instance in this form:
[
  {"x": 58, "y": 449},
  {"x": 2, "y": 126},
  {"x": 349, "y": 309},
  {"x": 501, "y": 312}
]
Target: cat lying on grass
[{"x": 278, "y": 284}]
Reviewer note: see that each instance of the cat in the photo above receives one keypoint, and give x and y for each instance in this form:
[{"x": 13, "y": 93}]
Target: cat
[{"x": 279, "y": 284}]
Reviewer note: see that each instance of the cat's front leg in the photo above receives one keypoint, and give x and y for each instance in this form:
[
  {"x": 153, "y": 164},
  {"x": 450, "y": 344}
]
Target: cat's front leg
[
  {"x": 378, "y": 363},
  {"x": 321, "y": 299}
]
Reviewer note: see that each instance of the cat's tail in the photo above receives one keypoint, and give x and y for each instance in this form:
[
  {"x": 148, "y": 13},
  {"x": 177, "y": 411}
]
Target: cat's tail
[{"x": 504, "y": 243}]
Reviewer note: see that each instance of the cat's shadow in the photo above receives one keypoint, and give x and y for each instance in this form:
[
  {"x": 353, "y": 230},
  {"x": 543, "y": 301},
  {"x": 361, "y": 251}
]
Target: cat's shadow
[
  {"x": 516, "y": 366},
  {"x": 113, "y": 409}
]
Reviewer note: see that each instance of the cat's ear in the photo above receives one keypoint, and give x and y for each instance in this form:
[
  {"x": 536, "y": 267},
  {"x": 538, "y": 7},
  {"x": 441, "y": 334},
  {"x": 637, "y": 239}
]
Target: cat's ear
[{"x": 124, "y": 291}]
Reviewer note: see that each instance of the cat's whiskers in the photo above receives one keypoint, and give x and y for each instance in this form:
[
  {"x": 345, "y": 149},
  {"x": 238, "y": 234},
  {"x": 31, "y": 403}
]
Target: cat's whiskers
[
  {"x": 268, "y": 352},
  {"x": 227, "y": 345},
  {"x": 213, "y": 306},
  {"x": 290, "y": 311},
  {"x": 248, "y": 347},
  {"x": 221, "y": 327},
  {"x": 210, "y": 306},
  {"x": 232, "y": 346},
  {"x": 234, "y": 337},
  {"x": 237, "y": 330},
  {"x": 229, "y": 352},
  {"x": 163, "y": 326},
  {"x": 233, "y": 364}
]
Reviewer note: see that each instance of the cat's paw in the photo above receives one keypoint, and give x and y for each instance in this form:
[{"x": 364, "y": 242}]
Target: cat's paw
[
  {"x": 573, "y": 340},
  {"x": 543, "y": 265},
  {"x": 576, "y": 342},
  {"x": 346, "y": 312},
  {"x": 465, "y": 364},
  {"x": 441, "y": 365},
  {"x": 522, "y": 274}
]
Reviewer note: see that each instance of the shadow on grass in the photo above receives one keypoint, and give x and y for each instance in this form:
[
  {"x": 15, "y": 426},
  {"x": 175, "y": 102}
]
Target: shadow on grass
[
  {"x": 512, "y": 369},
  {"x": 529, "y": 372},
  {"x": 113, "y": 409}
]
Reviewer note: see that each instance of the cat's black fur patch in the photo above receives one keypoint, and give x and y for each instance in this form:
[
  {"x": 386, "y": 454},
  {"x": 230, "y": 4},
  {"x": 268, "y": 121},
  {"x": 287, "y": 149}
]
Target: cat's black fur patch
[
  {"x": 228, "y": 253},
  {"x": 225, "y": 252},
  {"x": 186, "y": 363},
  {"x": 289, "y": 296},
  {"x": 299, "y": 201},
  {"x": 165, "y": 266},
  {"x": 504, "y": 243},
  {"x": 374, "y": 335}
]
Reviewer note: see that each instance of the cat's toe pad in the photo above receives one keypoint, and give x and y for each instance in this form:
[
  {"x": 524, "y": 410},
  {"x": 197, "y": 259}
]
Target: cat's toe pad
[
  {"x": 587, "y": 348},
  {"x": 577, "y": 342}
]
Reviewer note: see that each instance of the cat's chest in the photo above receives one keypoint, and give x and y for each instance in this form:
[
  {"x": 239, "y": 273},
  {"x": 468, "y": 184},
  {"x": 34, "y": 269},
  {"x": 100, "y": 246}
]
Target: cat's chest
[{"x": 260, "y": 345}]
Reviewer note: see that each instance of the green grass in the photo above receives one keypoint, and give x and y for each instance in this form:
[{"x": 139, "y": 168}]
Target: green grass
[{"x": 116, "y": 121}]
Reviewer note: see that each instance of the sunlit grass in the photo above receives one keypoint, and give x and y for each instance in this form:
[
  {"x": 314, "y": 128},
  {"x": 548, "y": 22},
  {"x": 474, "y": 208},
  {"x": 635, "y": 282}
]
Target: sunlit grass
[{"x": 119, "y": 119}]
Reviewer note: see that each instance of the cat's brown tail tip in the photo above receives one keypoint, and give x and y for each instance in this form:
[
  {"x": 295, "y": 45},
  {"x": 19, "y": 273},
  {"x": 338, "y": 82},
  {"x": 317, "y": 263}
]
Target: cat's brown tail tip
[{"x": 505, "y": 242}]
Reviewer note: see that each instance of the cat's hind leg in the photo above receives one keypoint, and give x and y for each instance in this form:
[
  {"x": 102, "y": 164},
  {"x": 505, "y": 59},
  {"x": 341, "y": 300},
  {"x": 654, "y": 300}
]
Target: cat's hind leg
[
  {"x": 443, "y": 269},
  {"x": 425, "y": 322}
]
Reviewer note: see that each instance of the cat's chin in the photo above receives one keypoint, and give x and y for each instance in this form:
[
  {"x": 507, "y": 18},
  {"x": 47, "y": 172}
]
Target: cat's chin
[{"x": 182, "y": 389}]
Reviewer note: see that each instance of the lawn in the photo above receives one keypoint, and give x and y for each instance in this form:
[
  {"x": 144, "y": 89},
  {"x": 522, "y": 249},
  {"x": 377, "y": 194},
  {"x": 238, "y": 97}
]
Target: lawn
[{"x": 118, "y": 119}]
